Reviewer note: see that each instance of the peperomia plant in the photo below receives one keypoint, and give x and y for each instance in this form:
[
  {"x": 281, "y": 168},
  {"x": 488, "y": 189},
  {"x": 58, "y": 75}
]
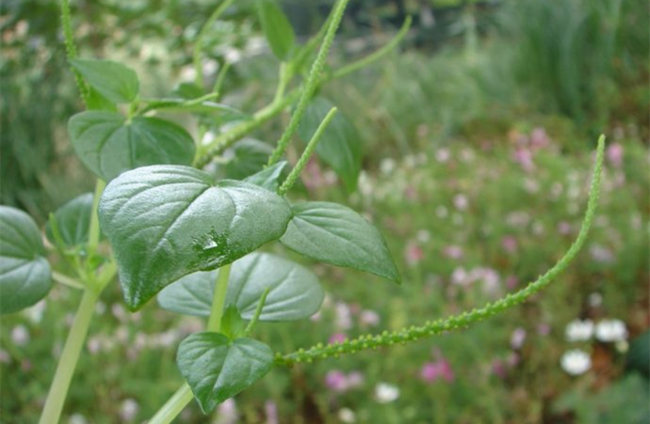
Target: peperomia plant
[{"x": 180, "y": 233}]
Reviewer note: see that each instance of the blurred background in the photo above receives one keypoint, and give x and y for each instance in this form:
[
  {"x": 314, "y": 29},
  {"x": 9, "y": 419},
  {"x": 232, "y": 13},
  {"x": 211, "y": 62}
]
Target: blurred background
[{"x": 478, "y": 135}]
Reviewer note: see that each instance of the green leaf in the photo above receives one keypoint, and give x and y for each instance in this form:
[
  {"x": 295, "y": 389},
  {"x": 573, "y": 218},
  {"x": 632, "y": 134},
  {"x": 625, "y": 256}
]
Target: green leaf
[
  {"x": 73, "y": 221},
  {"x": 109, "y": 145},
  {"x": 112, "y": 80},
  {"x": 277, "y": 29},
  {"x": 248, "y": 157},
  {"x": 269, "y": 177},
  {"x": 166, "y": 221},
  {"x": 294, "y": 292},
  {"x": 335, "y": 234},
  {"x": 205, "y": 106},
  {"x": 188, "y": 90},
  {"x": 340, "y": 146},
  {"x": 96, "y": 101},
  {"x": 232, "y": 324},
  {"x": 24, "y": 272},
  {"x": 217, "y": 368}
]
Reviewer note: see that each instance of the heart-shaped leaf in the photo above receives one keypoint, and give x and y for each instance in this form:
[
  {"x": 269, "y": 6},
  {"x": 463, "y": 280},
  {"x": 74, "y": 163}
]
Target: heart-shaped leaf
[
  {"x": 269, "y": 177},
  {"x": 108, "y": 145},
  {"x": 114, "y": 81},
  {"x": 340, "y": 145},
  {"x": 217, "y": 368},
  {"x": 73, "y": 221},
  {"x": 166, "y": 221},
  {"x": 336, "y": 234},
  {"x": 276, "y": 27},
  {"x": 24, "y": 272},
  {"x": 294, "y": 292}
]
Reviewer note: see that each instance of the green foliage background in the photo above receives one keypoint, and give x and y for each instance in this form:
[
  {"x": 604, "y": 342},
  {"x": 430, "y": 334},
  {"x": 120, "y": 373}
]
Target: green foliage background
[{"x": 473, "y": 86}]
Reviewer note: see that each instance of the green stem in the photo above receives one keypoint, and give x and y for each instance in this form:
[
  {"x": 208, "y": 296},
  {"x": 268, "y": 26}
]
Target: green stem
[
  {"x": 258, "y": 311},
  {"x": 464, "y": 319},
  {"x": 376, "y": 55},
  {"x": 173, "y": 406},
  {"x": 300, "y": 165},
  {"x": 198, "y": 45},
  {"x": 183, "y": 395},
  {"x": 219, "y": 299},
  {"x": 69, "y": 356},
  {"x": 284, "y": 76},
  {"x": 71, "y": 48},
  {"x": 312, "y": 82},
  {"x": 68, "y": 281},
  {"x": 225, "y": 140},
  {"x": 93, "y": 229},
  {"x": 221, "y": 76}
]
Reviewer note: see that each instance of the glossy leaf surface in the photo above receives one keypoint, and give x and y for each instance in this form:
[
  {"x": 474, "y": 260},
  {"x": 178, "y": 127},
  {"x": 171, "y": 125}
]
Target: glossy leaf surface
[
  {"x": 108, "y": 145},
  {"x": 166, "y": 221},
  {"x": 294, "y": 290},
  {"x": 73, "y": 221},
  {"x": 335, "y": 234},
  {"x": 24, "y": 272},
  {"x": 340, "y": 145},
  {"x": 269, "y": 177},
  {"x": 217, "y": 368},
  {"x": 277, "y": 28},
  {"x": 114, "y": 81},
  {"x": 248, "y": 156}
]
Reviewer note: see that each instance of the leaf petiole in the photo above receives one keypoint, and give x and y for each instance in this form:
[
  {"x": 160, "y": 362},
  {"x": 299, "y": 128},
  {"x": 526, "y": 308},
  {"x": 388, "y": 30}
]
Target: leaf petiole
[{"x": 258, "y": 312}]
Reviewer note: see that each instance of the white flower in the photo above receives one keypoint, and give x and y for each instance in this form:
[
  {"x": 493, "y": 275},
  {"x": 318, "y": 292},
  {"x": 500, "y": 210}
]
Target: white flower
[
  {"x": 517, "y": 338},
  {"x": 129, "y": 409},
  {"x": 575, "y": 362},
  {"x": 227, "y": 412},
  {"x": 35, "y": 313},
  {"x": 611, "y": 330},
  {"x": 461, "y": 202},
  {"x": 386, "y": 393},
  {"x": 347, "y": 415},
  {"x": 369, "y": 318},
  {"x": 595, "y": 300},
  {"x": 443, "y": 155},
  {"x": 579, "y": 330},
  {"x": 20, "y": 335},
  {"x": 423, "y": 236},
  {"x": 441, "y": 212},
  {"x": 77, "y": 419},
  {"x": 387, "y": 165}
]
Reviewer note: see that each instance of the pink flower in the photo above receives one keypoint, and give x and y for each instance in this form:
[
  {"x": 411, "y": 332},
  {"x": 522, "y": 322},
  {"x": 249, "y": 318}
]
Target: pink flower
[
  {"x": 336, "y": 380},
  {"x": 337, "y": 338},
  {"x": 524, "y": 158},
  {"x": 543, "y": 329},
  {"x": 509, "y": 244},
  {"x": 564, "y": 228},
  {"x": 433, "y": 371},
  {"x": 453, "y": 252},
  {"x": 512, "y": 282},
  {"x": 271, "y": 410},
  {"x": 369, "y": 318},
  {"x": 413, "y": 253},
  {"x": 499, "y": 368},
  {"x": 615, "y": 154},
  {"x": 601, "y": 254},
  {"x": 517, "y": 338},
  {"x": 539, "y": 139},
  {"x": 460, "y": 202},
  {"x": 355, "y": 379}
]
